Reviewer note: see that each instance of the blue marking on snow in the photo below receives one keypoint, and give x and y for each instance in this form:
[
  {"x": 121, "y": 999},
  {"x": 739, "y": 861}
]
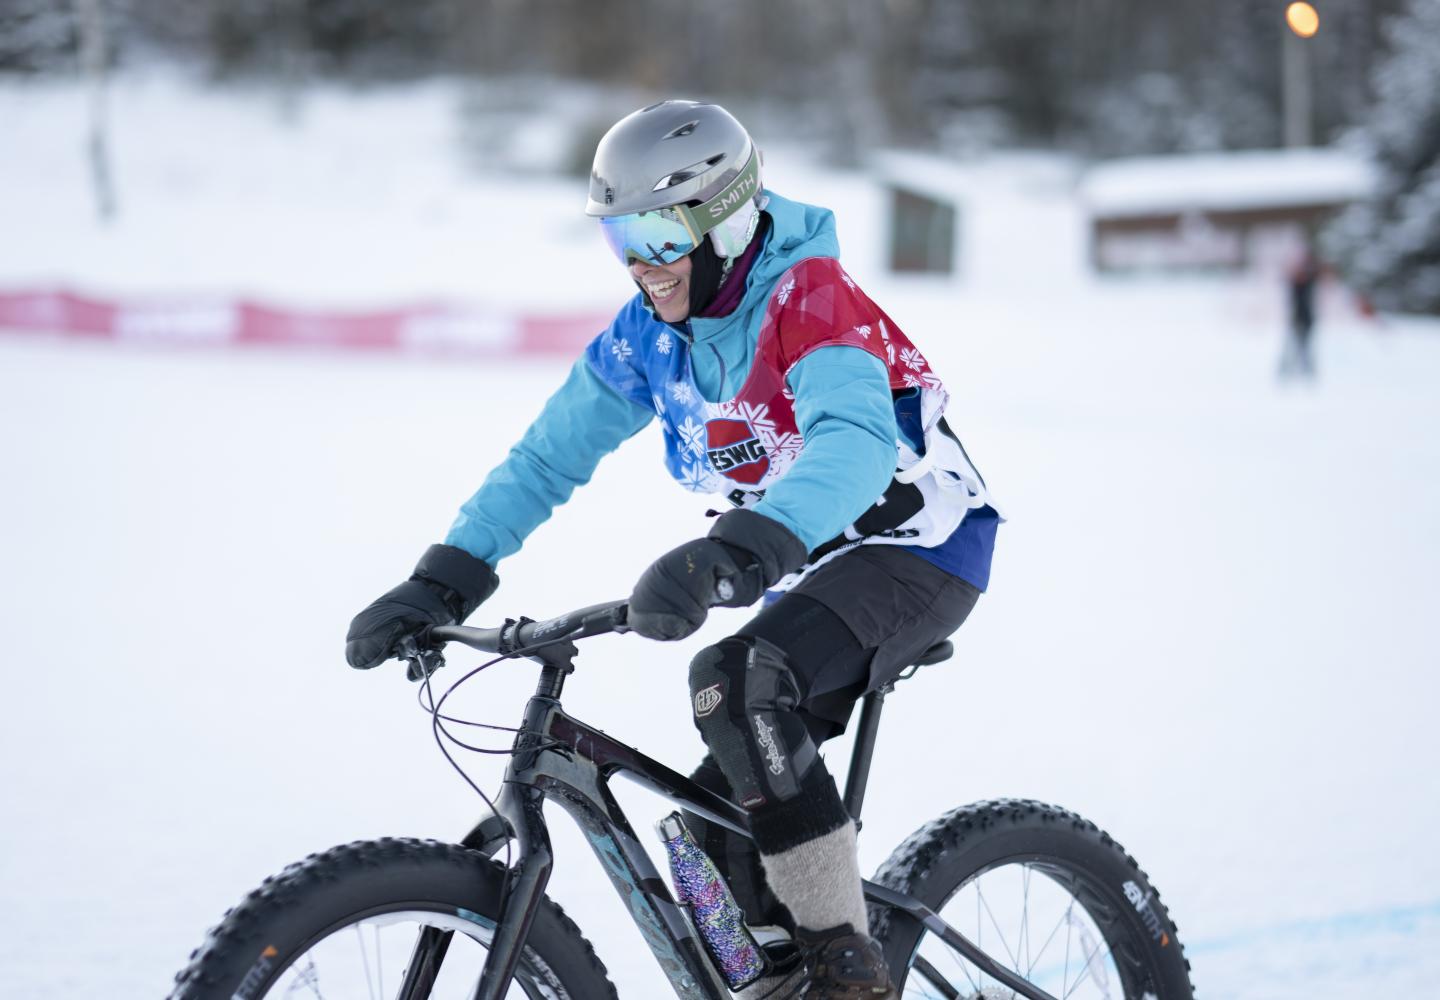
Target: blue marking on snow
[{"x": 1395, "y": 920}]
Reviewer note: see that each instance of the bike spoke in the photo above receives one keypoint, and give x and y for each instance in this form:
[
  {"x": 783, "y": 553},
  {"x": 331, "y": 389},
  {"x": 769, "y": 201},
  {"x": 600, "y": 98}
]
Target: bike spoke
[
  {"x": 1014, "y": 962},
  {"x": 1023, "y": 945},
  {"x": 1034, "y": 961},
  {"x": 1065, "y": 983},
  {"x": 365, "y": 960},
  {"x": 379, "y": 962},
  {"x": 308, "y": 977},
  {"x": 1089, "y": 964}
]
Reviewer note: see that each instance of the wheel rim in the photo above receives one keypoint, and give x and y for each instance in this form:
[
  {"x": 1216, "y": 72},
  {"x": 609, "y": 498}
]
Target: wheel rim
[
  {"x": 1042, "y": 919},
  {"x": 365, "y": 958}
]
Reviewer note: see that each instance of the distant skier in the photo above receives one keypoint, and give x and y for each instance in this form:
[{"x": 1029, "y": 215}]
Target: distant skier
[
  {"x": 1297, "y": 357},
  {"x": 780, "y": 385}
]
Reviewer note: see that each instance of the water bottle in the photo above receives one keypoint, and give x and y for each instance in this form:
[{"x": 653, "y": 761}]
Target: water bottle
[{"x": 713, "y": 910}]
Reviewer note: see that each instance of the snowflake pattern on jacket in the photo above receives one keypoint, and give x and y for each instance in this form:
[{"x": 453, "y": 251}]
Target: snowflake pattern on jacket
[{"x": 750, "y": 441}]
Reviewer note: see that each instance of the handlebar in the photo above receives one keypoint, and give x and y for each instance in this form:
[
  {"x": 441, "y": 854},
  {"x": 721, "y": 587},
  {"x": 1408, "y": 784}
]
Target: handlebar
[
  {"x": 550, "y": 641},
  {"x": 597, "y": 619}
]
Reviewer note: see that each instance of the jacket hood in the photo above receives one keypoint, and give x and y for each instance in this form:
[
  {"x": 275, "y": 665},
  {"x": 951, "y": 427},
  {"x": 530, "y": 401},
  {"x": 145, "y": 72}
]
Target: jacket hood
[{"x": 798, "y": 231}]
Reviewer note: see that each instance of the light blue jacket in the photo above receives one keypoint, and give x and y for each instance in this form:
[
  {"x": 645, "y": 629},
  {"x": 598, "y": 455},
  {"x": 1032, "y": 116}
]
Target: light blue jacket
[{"x": 843, "y": 407}]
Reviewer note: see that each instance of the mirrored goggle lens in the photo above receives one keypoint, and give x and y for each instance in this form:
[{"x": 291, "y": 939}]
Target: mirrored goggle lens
[{"x": 658, "y": 237}]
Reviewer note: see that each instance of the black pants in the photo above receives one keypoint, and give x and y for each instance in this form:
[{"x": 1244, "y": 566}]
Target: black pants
[{"x": 768, "y": 696}]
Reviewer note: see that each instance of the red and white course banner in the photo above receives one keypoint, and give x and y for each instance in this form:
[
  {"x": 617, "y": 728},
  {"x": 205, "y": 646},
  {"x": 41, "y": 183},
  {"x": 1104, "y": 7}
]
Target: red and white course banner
[{"x": 215, "y": 321}]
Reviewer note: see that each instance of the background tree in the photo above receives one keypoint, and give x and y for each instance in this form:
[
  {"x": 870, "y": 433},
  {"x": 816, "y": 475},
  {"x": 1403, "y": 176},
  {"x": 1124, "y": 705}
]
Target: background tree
[
  {"x": 1389, "y": 247},
  {"x": 36, "y": 35},
  {"x": 1099, "y": 78}
]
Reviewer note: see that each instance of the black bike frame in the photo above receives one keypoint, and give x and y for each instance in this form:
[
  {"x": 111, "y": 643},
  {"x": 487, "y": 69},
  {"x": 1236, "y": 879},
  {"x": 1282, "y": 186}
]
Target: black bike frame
[{"x": 560, "y": 758}]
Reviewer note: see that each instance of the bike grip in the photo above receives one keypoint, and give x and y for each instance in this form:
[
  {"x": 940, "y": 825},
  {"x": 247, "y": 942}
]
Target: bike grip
[{"x": 486, "y": 640}]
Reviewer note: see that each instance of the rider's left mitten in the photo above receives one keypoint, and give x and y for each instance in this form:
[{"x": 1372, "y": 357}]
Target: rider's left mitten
[
  {"x": 447, "y": 585},
  {"x": 765, "y": 551},
  {"x": 744, "y": 553}
]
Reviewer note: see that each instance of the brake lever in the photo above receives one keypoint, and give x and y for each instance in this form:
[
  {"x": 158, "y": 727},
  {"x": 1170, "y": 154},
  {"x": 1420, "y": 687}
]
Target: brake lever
[
  {"x": 424, "y": 665},
  {"x": 421, "y": 663},
  {"x": 620, "y": 619}
]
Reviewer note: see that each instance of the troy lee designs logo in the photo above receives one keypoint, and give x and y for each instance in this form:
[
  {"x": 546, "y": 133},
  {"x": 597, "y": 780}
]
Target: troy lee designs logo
[
  {"x": 735, "y": 451},
  {"x": 707, "y": 700},
  {"x": 765, "y": 736}
]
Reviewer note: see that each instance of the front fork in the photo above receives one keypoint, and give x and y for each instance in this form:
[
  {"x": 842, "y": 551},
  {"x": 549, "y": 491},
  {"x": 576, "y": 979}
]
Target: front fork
[
  {"x": 518, "y": 807},
  {"x": 525, "y": 884},
  {"x": 524, "y": 888},
  {"x": 517, "y": 815}
]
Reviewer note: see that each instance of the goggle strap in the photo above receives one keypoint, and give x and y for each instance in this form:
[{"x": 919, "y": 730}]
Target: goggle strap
[{"x": 745, "y": 186}]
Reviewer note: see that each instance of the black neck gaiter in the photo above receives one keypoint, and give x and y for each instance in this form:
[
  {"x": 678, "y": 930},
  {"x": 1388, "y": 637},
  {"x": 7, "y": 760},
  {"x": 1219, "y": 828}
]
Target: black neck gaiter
[{"x": 706, "y": 269}]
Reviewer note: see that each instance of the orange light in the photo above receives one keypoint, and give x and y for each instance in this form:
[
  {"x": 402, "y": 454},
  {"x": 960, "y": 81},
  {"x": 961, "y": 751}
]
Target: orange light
[{"x": 1303, "y": 19}]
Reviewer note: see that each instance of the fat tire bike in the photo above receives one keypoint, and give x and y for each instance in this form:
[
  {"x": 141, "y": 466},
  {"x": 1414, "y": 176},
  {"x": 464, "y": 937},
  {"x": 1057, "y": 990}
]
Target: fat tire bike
[{"x": 1000, "y": 899}]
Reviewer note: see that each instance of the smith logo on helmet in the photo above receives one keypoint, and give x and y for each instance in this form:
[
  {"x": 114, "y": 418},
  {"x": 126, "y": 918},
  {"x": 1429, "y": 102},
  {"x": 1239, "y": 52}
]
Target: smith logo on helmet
[
  {"x": 743, "y": 189},
  {"x": 735, "y": 451}
]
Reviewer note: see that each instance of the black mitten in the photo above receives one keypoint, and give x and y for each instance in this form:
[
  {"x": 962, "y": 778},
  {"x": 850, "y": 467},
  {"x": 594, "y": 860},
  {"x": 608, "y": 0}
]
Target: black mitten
[
  {"x": 744, "y": 554},
  {"x": 447, "y": 585}
]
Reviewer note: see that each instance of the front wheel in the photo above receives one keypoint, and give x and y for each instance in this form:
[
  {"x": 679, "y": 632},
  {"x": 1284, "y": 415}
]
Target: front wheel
[
  {"x": 1045, "y": 893},
  {"x": 391, "y": 918}
]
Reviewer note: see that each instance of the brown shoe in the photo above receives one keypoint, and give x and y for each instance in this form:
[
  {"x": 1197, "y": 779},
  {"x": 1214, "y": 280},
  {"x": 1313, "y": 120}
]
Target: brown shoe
[{"x": 845, "y": 965}]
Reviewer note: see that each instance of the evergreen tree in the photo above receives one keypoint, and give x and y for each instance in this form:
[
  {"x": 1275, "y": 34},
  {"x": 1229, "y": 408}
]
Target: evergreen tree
[
  {"x": 1389, "y": 247},
  {"x": 36, "y": 35}
]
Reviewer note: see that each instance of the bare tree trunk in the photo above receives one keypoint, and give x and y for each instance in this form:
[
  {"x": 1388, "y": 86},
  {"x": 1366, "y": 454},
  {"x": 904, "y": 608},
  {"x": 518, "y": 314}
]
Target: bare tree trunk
[
  {"x": 94, "y": 48},
  {"x": 293, "y": 44},
  {"x": 858, "y": 30}
]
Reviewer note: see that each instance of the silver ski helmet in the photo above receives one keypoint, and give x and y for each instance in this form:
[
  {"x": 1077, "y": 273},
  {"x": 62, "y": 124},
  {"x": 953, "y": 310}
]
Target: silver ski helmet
[{"x": 670, "y": 174}]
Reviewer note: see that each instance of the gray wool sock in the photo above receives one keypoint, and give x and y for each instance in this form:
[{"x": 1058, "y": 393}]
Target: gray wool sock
[{"x": 819, "y": 881}]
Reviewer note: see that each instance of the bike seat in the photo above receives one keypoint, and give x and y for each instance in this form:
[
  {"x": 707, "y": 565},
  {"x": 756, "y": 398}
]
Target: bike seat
[{"x": 938, "y": 653}]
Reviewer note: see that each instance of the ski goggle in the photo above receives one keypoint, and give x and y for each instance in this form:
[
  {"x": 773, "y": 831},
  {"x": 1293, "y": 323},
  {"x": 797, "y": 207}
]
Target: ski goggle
[
  {"x": 660, "y": 236},
  {"x": 664, "y": 235}
]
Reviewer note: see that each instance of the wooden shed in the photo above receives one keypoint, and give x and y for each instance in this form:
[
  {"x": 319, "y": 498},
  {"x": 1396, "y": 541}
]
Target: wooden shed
[{"x": 1213, "y": 212}]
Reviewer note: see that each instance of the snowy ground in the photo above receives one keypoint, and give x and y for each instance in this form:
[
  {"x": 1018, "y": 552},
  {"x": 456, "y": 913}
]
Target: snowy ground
[{"x": 1209, "y": 628}]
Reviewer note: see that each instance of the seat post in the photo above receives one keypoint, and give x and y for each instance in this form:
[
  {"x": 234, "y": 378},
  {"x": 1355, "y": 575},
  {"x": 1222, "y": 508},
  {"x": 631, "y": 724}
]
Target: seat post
[{"x": 864, "y": 749}]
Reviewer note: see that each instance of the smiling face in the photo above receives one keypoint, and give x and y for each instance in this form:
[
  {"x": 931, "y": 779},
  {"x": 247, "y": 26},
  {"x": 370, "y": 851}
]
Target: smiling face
[{"x": 668, "y": 286}]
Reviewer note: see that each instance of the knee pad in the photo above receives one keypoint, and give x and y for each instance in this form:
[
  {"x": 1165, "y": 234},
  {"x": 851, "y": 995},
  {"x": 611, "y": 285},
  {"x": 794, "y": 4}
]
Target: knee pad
[{"x": 744, "y": 697}]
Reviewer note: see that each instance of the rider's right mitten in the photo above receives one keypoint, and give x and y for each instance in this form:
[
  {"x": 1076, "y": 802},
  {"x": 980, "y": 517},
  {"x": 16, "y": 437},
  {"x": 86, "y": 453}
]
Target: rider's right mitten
[{"x": 447, "y": 585}]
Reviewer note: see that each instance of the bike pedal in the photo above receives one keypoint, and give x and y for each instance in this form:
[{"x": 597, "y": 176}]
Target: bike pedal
[{"x": 765, "y": 934}]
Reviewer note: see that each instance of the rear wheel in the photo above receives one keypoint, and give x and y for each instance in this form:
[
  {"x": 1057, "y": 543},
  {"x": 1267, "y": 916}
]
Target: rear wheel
[
  {"x": 1045, "y": 893},
  {"x": 402, "y": 919}
]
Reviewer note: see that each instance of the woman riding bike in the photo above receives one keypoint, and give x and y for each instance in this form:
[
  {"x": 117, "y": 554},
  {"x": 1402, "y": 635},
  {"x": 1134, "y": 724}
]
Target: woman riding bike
[{"x": 780, "y": 385}]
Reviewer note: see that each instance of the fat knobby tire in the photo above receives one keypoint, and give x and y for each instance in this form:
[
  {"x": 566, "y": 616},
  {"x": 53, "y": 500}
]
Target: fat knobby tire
[
  {"x": 936, "y": 860},
  {"x": 326, "y": 891}
]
